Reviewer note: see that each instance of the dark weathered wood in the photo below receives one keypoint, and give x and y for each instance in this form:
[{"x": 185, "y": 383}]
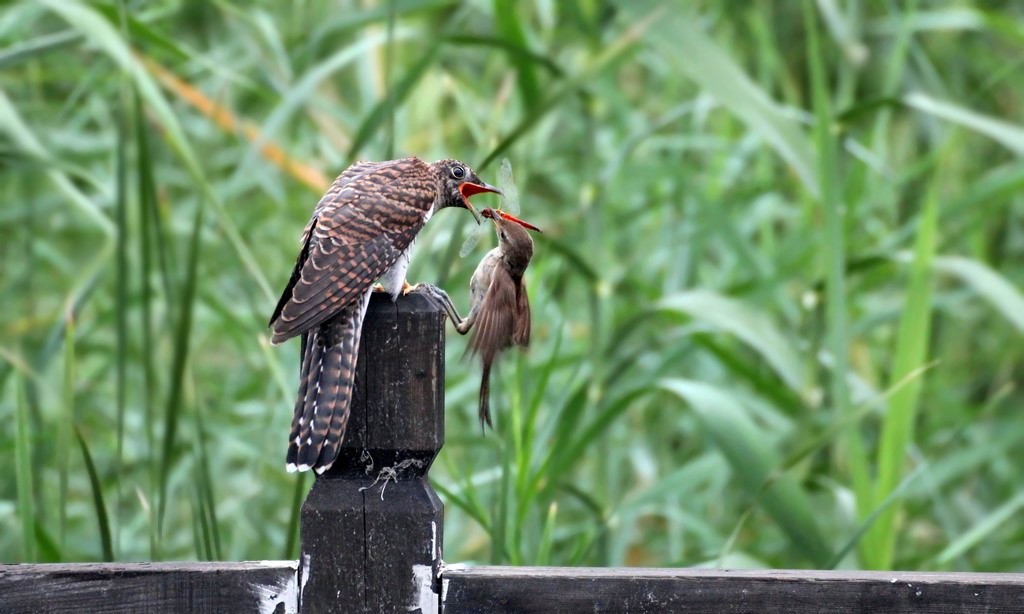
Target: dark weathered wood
[
  {"x": 566, "y": 589},
  {"x": 371, "y": 525},
  {"x": 267, "y": 586}
]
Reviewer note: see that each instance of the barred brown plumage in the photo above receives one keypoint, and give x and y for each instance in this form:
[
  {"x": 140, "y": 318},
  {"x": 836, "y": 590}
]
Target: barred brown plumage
[{"x": 360, "y": 230}]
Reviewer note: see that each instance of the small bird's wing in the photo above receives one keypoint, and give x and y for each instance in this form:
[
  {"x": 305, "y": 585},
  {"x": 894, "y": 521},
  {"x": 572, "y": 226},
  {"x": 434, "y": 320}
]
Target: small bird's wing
[
  {"x": 495, "y": 319},
  {"x": 492, "y": 332},
  {"x": 360, "y": 227},
  {"x": 521, "y": 332}
]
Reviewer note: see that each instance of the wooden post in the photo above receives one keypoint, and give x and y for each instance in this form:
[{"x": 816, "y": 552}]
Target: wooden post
[{"x": 371, "y": 525}]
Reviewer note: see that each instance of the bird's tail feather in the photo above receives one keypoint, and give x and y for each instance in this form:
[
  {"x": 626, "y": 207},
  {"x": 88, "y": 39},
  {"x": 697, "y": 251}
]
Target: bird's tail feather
[
  {"x": 485, "y": 397},
  {"x": 325, "y": 390},
  {"x": 311, "y": 352},
  {"x": 342, "y": 378}
]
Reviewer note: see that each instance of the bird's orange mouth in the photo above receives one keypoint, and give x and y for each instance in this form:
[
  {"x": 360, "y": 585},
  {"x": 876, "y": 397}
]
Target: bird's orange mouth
[
  {"x": 490, "y": 213},
  {"x": 468, "y": 188}
]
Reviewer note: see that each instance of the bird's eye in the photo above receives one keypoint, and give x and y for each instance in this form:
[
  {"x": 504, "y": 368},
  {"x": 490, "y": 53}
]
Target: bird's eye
[
  {"x": 458, "y": 172},
  {"x": 504, "y": 237}
]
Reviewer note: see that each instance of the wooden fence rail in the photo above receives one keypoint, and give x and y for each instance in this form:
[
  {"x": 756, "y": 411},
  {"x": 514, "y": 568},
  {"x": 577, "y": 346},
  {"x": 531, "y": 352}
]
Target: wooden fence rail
[{"x": 372, "y": 533}]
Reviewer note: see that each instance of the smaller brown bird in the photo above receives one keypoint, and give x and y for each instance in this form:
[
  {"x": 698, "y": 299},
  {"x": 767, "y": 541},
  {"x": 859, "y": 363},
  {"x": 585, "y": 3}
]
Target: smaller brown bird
[{"x": 499, "y": 312}]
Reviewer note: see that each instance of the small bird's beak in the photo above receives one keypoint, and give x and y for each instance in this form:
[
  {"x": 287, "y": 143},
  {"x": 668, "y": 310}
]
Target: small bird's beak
[
  {"x": 525, "y": 225},
  {"x": 468, "y": 188}
]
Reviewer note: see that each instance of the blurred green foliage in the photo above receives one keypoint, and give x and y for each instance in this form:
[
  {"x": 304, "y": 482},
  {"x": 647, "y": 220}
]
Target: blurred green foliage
[{"x": 777, "y": 306}]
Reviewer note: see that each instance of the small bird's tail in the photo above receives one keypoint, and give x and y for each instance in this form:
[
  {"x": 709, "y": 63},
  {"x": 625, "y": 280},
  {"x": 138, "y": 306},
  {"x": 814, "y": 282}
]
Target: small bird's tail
[
  {"x": 329, "y": 354},
  {"x": 484, "y": 410}
]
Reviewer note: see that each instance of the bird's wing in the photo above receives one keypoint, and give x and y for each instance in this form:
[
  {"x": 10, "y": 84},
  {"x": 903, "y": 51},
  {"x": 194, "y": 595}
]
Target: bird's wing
[
  {"x": 363, "y": 225},
  {"x": 356, "y": 170},
  {"x": 521, "y": 332},
  {"x": 495, "y": 320},
  {"x": 330, "y": 197}
]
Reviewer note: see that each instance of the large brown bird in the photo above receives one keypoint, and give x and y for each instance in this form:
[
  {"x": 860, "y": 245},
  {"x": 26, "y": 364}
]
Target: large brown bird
[
  {"x": 499, "y": 311},
  {"x": 361, "y": 231}
]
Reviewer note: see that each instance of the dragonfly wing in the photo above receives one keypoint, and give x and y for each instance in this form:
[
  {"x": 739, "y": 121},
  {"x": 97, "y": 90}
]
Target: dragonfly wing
[
  {"x": 509, "y": 191},
  {"x": 471, "y": 240}
]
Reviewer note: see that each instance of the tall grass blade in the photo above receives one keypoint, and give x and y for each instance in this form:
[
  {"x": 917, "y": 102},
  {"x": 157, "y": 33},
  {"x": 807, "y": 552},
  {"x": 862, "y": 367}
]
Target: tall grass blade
[
  {"x": 988, "y": 284},
  {"x": 509, "y": 25},
  {"x": 97, "y": 29},
  {"x": 66, "y": 422},
  {"x": 1005, "y": 133},
  {"x": 833, "y": 248},
  {"x": 204, "y": 487},
  {"x": 102, "y": 520},
  {"x": 872, "y": 516},
  {"x": 151, "y": 239},
  {"x": 395, "y": 96},
  {"x": 291, "y": 545},
  {"x": 751, "y": 326},
  {"x": 121, "y": 306},
  {"x": 699, "y": 57},
  {"x": 752, "y": 460},
  {"x": 601, "y": 62},
  {"x": 179, "y": 361},
  {"x": 911, "y": 350},
  {"x": 36, "y": 46},
  {"x": 302, "y": 91},
  {"x": 23, "y": 474},
  {"x": 982, "y": 530},
  {"x": 518, "y": 53},
  {"x": 389, "y": 65},
  {"x": 547, "y": 536}
]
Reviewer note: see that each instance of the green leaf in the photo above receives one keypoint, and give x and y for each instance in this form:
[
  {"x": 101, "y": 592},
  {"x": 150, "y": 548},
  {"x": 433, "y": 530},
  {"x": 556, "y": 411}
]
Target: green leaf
[
  {"x": 36, "y": 46},
  {"x": 507, "y": 22},
  {"x": 1006, "y": 134},
  {"x": 911, "y": 354},
  {"x": 751, "y": 326},
  {"x": 302, "y": 91},
  {"x": 23, "y": 474},
  {"x": 832, "y": 244},
  {"x": 392, "y": 100},
  {"x": 65, "y": 423},
  {"x": 753, "y": 461},
  {"x": 97, "y": 29},
  {"x": 699, "y": 57},
  {"x": 179, "y": 361},
  {"x": 97, "y": 498},
  {"x": 983, "y": 529},
  {"x": 988, "y": 283},
  {"x": 611, "y": 53}
]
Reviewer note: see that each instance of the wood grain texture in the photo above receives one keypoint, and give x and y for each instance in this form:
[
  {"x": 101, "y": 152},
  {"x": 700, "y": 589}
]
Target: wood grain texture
[
  {"x": 372, "y": 525},
  {"x": 108, "y": 588},
  {"x": 565, "y": 589}
]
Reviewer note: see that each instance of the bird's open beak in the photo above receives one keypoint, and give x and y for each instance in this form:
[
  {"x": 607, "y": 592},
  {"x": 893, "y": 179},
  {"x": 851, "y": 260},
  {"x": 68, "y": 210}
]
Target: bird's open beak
[
  {"x": 525, "y": 225},
  {"x": 468, "y": 188}
]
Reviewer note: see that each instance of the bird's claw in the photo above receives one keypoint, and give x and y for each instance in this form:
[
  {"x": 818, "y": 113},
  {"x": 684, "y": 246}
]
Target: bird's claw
[
  {"x": 434, "y": 294},
  {"x": 408, "y": 288},
  {"x": 428, "y": 290},
  {"x": 379, "y": 288}
]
